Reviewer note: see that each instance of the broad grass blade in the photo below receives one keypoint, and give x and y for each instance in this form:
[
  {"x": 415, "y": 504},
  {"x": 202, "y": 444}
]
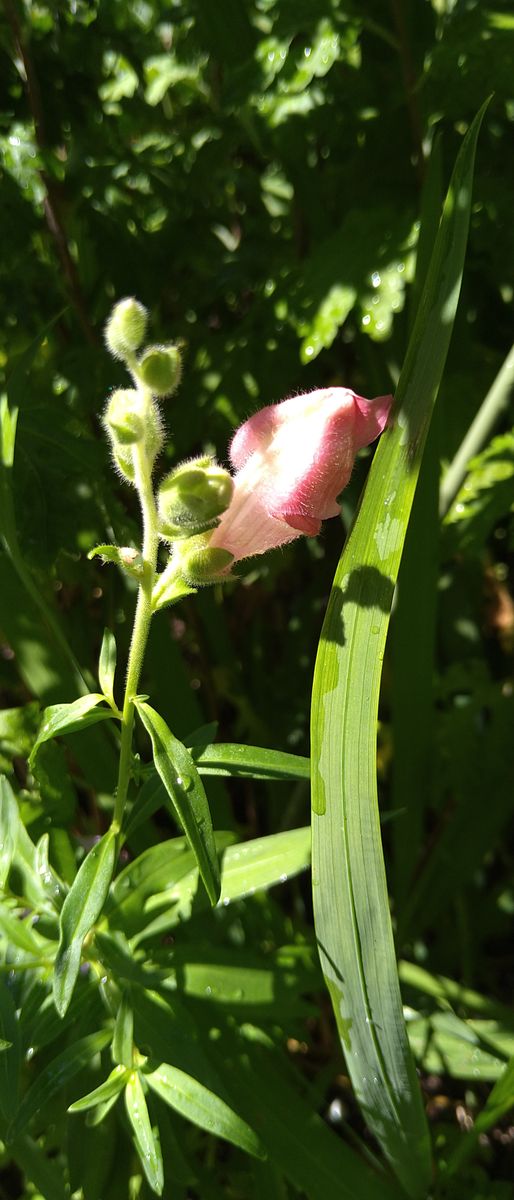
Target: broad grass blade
[{"x": 351, "y": 906}]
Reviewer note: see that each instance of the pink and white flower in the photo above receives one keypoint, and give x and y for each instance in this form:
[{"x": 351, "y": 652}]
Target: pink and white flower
[{"x": 291, "y": 461}]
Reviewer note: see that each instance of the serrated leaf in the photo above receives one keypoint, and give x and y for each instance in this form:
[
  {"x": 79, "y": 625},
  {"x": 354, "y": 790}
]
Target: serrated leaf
[
  {"x": 187, "y": 794},
  {"x": 54, "y": 1077},
  {"x": 107, "y": 666},
  {"x": 68, "y": 718},
  {"x": 81, "y": 908},
  {"x": 109, "y": 1089},
  {"x": 351, "y": 907},
  {"x": 146, "y": 1138},
  {"x": 201, "y": 1106}
]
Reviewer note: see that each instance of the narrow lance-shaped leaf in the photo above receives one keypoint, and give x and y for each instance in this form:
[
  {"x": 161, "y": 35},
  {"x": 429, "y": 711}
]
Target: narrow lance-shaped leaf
[
  {"x": 111, "y": 1087},
  {"x": 56, "y": 1075},
  {"x": 249, "y": 762},
  {"x": 107, "y": 666},
  {"x": 9, "y": 820},
  {"x": 81, "y": 908},
  {"x": 201, "y": 1106},
  {"x": 187, "y": 794},
  {"x": 351, "y": 908},
  {"x": 68, "y": 718},
  {"x": 146, "y": 1138}
]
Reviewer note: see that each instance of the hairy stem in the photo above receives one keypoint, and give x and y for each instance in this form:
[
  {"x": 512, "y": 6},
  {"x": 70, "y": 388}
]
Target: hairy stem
[{"x": 141, "y": 628}]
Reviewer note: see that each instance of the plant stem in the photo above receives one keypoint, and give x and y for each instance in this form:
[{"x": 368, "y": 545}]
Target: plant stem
[
  {"x": 144, "y": 610},
  {"x": 488, "y": 414}
]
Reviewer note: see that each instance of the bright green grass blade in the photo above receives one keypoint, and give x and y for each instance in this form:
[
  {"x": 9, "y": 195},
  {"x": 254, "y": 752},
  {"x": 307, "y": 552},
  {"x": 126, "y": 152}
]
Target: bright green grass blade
[{"x": 351, "y": 906}]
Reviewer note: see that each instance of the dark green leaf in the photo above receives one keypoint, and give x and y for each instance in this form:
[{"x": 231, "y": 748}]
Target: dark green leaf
[{"x": 54, "y": 1077}]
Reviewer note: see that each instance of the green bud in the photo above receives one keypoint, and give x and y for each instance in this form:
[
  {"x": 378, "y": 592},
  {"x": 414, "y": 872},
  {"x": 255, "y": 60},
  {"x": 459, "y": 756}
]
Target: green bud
[
  {"x": 125, "y": 416},
  {"x": 200, "y": 564},
  {"x": 133, "y": 419},
  {"x": 192, "y": 498},
  {"x": 126, "y": 327},
  {"x": 160, "y": 369}
]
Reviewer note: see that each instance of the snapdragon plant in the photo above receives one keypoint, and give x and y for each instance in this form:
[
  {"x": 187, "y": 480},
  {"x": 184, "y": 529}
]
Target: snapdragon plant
[{"x": 118, "y": 981}]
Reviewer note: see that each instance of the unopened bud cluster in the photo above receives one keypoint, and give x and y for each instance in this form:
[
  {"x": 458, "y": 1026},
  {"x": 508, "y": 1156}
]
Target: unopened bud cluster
[{"x": 191, "y": 498}]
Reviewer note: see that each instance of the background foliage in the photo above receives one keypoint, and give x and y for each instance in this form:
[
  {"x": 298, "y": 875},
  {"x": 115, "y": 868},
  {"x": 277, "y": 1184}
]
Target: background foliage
[{"x": 256, "y": 178}]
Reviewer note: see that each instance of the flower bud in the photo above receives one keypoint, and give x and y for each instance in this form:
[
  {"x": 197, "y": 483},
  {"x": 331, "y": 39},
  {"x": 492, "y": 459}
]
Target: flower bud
[
  {"x": 124, "y": 416},
  {"x": 200, "y": 564},
  {"x": 160, "y": 369},
  {"x": 193, "y": 497},
  {"x": 126, "y": 327},
  {"x": 133, "y": 419}
]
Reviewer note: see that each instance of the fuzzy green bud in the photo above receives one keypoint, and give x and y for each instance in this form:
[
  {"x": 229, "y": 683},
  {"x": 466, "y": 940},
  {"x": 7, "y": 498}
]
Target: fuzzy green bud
[
  {"x": 160, "y": 369},
  {"x": 192, "y": 498},
  {"x": 200, "y": 564},
  {"x": 132, "y": 419},
  {"x": 126, "y": 327},
  {"x": 125, "y": 416}
]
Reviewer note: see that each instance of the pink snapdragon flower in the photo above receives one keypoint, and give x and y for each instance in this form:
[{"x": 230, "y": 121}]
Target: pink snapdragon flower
[{"x": 291, "y": 461}]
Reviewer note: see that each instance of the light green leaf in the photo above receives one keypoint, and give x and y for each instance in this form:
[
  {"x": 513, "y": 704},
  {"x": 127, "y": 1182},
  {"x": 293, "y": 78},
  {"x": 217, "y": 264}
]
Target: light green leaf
[
  {"x": 111, "y": 1087},
  {"x": 9, "y": 821},
  {"x": 187, "y": 794},
  {"x": 498, "y": 1104},
  {"x": 54, "y": 1077},
  {"x": 107, "y": 666},
  {"x": 201, "y": 1106},
  {"x": 81, "y": 908},
  {"x": 146, "y": 1138},
  {"x": 19, "y": 932},
  {"x": 249, "y": 762},
  {"x": 263, "y": 862},
  {"x": 351, "y": 907},
  {"x": 123, "y": 1040},
  {"x": 473, "y": 1050},
  {"x": 67, "y": 718}
]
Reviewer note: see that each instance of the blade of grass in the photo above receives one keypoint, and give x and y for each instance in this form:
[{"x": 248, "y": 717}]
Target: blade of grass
[{"x": 351, "y": 906}]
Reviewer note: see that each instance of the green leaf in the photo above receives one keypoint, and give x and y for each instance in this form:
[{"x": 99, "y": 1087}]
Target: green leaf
[
  {"x": 67, "y": 718},
  {"x": 123, "y": 1040},
  {"x": 10, "y": 1060},
  {"x": 498, "y": 1104},
  {"x": 249, "y": 762},
  {"x": 81, "y": 908},
  {"x": 44, "y": 1173},
  {"x": 146, "y": 1138},
  {"x": 107, "y": 666},
  {"x": 474, "y": 1050},
  {"x": 351, "y": 906},
  {"x": 111, "y": 1087},
  {"x": 9, "y": 821},
  {"x": 263, "y": 862},
  {"x": 54, "y": 1077},
  {"x": 20, "y": 933},
  {"x": 201, "y": 1106},
  {"x": 187, "y": 794}
]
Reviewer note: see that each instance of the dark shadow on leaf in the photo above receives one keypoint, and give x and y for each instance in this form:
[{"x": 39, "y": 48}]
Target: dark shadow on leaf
[{"x": 368, "y": 588}]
